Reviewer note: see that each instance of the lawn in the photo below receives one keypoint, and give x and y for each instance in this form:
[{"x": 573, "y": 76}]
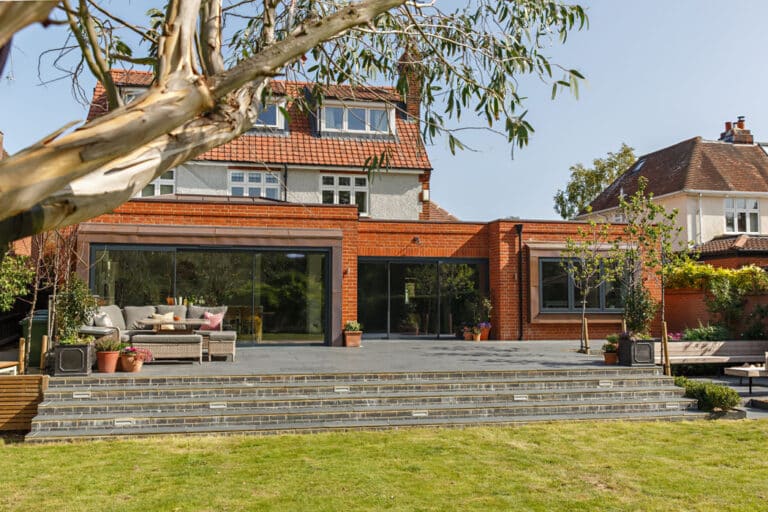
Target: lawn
[{"x": 721, "y": 465}]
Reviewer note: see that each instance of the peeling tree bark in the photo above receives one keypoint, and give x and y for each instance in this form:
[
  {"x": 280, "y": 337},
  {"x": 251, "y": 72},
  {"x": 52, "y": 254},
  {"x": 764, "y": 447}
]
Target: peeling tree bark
[{"x": 62, "y": 181}]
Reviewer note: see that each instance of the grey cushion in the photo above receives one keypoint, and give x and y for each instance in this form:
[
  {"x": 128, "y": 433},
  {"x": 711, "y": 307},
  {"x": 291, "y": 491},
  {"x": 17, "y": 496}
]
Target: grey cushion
[
  {"x": 135, "y": 313},
  {"x": 97, "y": 332},
  {"x": 179, "y": 311},
  {"x": 219, "y": 335},
  {"x": 126, "y": 336},
  {"x": 115, "y": 315},
  {"x": 199, "y": 311}
]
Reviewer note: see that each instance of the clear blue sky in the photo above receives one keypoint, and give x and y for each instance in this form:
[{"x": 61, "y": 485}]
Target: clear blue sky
[{"x": 657, "y": 71}]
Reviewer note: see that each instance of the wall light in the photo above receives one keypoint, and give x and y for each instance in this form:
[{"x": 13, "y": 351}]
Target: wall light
[{"x": 416, "y": 240}]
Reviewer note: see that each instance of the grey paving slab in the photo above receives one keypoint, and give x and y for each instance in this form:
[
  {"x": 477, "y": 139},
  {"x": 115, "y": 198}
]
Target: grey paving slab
[{"x": 389, "y": 355}]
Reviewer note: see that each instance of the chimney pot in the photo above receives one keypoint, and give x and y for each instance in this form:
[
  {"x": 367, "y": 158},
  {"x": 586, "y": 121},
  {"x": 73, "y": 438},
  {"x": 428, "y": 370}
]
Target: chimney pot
[
  {"x": 728, "y": 126},
  {"x": 740, "y": 122}
]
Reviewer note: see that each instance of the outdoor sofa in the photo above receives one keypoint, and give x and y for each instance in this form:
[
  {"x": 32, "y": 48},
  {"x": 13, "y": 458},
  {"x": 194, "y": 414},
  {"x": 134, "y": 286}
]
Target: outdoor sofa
[{"x": 126, "y": 323}]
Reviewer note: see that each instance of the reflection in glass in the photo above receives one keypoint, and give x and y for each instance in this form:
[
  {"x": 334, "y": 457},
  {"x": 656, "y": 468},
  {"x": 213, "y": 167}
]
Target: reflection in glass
[
  {"x": 554, "y": 285},
  {"x": 132, "y": 277}
]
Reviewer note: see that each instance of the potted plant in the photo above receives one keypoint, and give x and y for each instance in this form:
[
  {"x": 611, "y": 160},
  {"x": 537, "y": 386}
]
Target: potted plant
[
  {"x": 107, "y": 353},
  {"x": 132, "y": 358},
  {"x": 353, "y": 333},
  {"x": 485, "y": 330},
  {"x": 611, "y": 349},
  {"x": 636, "y": 350},
  {"x": 74, "y": 306},
  {"x": 485, "y": 327},
  {"x": 476, "y": 332}
]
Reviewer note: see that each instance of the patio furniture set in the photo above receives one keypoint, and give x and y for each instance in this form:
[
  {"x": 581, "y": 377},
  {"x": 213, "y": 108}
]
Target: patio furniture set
[{"x": 169, "y": 332}]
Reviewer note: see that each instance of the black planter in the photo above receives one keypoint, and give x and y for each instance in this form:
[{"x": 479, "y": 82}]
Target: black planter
[
  {"x": 73, "y": 360},
  {"x": 636, "y": 352}
]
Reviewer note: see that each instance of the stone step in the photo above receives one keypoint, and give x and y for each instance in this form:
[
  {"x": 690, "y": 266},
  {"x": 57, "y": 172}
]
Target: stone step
[
  {"x": 87, "y": 393},
  {"x": 357, "y": 425},
  {"x": 192, "y": 403},
  {"x": 183, "y": 419},
  {"x": 122, "y": 379}
]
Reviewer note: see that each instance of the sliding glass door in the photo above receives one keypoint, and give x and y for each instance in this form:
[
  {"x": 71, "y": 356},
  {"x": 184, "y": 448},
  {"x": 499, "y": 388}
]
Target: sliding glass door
[
  {"x": 271, "y": 295},
  {"x": 424, "y": 298}
]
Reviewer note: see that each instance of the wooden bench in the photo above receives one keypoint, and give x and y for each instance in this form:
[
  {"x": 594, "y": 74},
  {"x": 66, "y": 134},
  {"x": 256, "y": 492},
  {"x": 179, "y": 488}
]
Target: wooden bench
[
  {"x": 19, "y": 396},
  {"x": 714, "y": 352}
]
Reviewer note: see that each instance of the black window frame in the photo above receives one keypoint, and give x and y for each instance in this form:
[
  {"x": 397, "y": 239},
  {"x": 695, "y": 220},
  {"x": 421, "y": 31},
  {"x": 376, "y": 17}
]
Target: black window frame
[{"x": 573, "y": 305}]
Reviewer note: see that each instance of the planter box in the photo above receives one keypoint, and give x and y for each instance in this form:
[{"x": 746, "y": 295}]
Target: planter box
[
  {"x": 636, "y": 353},
  {"x": 352, "y": 338},
  {"x": 73, "y": 360}
]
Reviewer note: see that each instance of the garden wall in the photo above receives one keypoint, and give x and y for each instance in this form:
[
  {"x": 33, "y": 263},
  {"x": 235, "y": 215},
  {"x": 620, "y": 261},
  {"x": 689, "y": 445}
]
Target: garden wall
[{"x": 686, "y": 308}]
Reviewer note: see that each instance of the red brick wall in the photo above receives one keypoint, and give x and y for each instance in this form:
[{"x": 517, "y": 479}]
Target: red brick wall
[
  {"x": 497, "y": 241},
  {"x": 736, "y": 261}
]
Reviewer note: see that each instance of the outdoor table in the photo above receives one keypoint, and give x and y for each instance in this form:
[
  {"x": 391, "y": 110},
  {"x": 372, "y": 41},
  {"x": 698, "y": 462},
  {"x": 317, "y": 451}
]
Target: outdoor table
[
  {"x": 183, "y": 325},
  {"x": 747, "y": 371}
]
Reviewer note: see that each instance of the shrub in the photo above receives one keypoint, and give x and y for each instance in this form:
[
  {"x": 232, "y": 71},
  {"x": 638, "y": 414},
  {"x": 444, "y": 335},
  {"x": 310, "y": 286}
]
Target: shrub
[
  {"x": 755, "y": 328},
  {"x": 709, "y": 396},
  {"x": 707, "y": 333}
]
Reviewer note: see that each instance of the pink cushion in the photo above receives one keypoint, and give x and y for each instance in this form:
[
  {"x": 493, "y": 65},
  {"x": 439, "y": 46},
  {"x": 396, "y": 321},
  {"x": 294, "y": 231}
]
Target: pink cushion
[{"x": 214, "y": 321}]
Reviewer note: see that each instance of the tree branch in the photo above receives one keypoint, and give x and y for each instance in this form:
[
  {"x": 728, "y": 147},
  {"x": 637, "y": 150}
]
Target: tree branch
[
  {"x": 210, "y": 35},
  {"x": 16, "y": 15}
]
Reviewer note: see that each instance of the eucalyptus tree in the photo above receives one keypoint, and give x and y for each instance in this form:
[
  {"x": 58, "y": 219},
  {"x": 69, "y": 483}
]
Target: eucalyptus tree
[{"x": 212, "y": 63}]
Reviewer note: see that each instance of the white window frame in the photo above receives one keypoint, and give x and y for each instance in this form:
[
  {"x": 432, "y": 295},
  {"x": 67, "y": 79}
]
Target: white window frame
[
  {"x": 130, "y": 94},
  {"x": 158, "y": 183},
  {"x": 262, "y": 184},
  {"x": 279, "y": 118},
  {"x": 736, "y": 210},
  {"x": 346, "y": 107},
  {"x": 352, "y": 189}
]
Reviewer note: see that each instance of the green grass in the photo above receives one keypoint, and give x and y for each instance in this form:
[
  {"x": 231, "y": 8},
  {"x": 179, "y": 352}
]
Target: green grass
[{"x": 718, "y": 465}]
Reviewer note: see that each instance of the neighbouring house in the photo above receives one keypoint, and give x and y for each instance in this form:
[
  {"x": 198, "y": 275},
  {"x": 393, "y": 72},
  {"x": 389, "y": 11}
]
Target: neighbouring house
[
  {"x": 720, "y": 188},
  {"x": 285, "y": 227}
]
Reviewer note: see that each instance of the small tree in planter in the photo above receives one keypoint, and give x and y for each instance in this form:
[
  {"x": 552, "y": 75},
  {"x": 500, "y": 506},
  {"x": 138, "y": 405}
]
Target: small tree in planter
[
  {"x": 590, "y": 263},
  {"x": 74, "y": 306},
  {"x": 353, "y": 333}
]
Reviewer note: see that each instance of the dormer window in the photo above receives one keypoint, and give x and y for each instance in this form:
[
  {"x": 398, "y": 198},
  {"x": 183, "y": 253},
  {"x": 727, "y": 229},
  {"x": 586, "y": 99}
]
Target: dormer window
[
  {"x": 270, "y": 116},
  {"x": 131, "y": 93},
  {"x": 357, "y": 118}
]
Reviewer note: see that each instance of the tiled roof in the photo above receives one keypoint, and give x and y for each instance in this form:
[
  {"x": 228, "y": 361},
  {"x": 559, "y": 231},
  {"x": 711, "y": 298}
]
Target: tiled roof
[
  {"x": 301, "y": 144},
  {"x": 437, "y": 213},
  {"x": 693, "y": 164},
  {"x": 734, "y": 244}
]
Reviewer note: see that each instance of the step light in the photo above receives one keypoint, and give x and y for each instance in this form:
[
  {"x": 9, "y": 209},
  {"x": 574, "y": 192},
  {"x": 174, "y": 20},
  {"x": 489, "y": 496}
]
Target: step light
[
  {"x": 124, "y": 422},
  {"x": 341, "y": 389},
  {"x": 672, "y": 406},
  {"x": 420, "y": 414},
  {"x": 605, "y": 384},
  {"x": 520, "y": 398},
  {"x": 81, "y": 394},
  {"x": 217, "y": 405}
]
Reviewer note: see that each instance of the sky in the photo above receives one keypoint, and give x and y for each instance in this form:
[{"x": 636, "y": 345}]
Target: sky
[{"x": 657, "y": 72}]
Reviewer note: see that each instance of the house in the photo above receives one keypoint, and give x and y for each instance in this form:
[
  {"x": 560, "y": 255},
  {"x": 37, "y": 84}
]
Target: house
[
  {"x": 720, "y": 188},
  {"x": 285, "y": 227}
]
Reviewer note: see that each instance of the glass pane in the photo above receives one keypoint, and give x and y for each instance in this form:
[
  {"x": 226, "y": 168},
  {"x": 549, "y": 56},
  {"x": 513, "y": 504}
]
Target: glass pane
[
  {"x": 328, "y": 197},
  {"x": 272, "y": 193},
  {"x": 344, "y": 197},
  {"x": 372, "y": 296},
  {"x": 356, "y": 119},
  {"x": 219, "y": 278},
  {"x": 133, "y": 277},
  {"x": 334, "y": 118},
  {"x": 361, "y": 200},
  {"x": 753, "y": 204},
  {"x": 593, "y": 298},
  {"x": 167, "y": 175},
  {"x": 741, "y": 222},
  {"x": 613, "y": 297},
  {"x": 753, "y": 228},
  {"x": 361, "y": 182},
  {"x": 729, "y": 203},
  {"x": 238, "y": 191},
  {"x": 254, "y": 191},
  {"x": 271, "y": 178},
  {"x": 290, "y": 296},
  {"x": 553, "y": 283},
  {"x": 379, "y": 120},
  {"x": 730, "y": 225},
  {"x": 461, "y": 292},
  {"x": 413, "y": 292},
  {"x": 254, "y": 177},
  {"x": 741, "y": 203},
  {"x": 166, "y": 189},
  {"x": 344, "y": 181},
  {"x": 328, "y": 180},
  {"x": 148, "y": 191},
  {"x": 268, "y": 116},
  {"x": 237, "y": 177}
]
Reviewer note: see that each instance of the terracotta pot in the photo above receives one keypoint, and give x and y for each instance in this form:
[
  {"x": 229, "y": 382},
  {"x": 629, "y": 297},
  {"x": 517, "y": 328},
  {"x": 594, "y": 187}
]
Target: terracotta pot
[
  {"x": 467, "y": 336},
  {"x": 485, "y": 332},
  {"x": 611, "y": 357},
  {"x": 106, "y": 362},
  {"x": 130, "y": 363},
  {"x": 477, "y": 337},
  {"x": 352, "y": 338}
]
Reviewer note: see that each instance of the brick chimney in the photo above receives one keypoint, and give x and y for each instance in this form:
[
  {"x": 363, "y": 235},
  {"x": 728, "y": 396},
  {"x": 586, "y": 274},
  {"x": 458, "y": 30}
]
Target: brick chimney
[
  {"x": 2, "y": 150},
  {"x": 736, "y": 133},
  {"x": 408, "y": 67}
]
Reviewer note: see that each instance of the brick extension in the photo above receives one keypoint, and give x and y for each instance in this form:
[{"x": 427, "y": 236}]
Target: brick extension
[{"x": 496, "y": 241}]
